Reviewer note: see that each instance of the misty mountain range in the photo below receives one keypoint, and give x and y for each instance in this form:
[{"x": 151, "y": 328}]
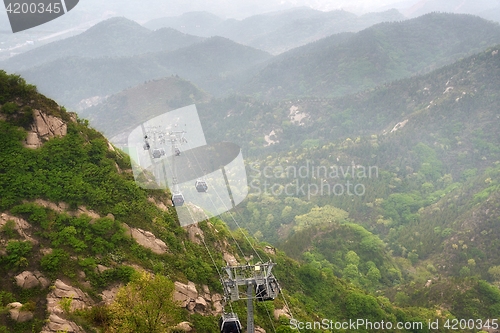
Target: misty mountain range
[
  {"x": 118, "y": 53},
  {"x": 414, "y": 97}
]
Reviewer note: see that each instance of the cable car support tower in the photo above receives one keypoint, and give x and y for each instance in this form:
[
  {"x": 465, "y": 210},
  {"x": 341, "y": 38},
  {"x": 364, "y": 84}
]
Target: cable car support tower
[{"x": 249, "y": 282}]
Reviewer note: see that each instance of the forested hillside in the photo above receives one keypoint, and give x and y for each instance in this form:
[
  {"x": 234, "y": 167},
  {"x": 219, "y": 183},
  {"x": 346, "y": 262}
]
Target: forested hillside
[
  {"x": 71, "y": 213},
  {"x": 381, "y": 53},
  {"x": 372, "y": 161}
]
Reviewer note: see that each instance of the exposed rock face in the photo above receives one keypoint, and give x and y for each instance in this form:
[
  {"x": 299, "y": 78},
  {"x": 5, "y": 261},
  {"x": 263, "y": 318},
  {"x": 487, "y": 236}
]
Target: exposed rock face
[
  {"x": 282, "y": 312},
  {"x": 108, "y": 295},
  {"x": 230, "y": 259},
  {"x": 184, "y": 326},
  {"x": 43, "y": 128},
  {"x": 399, "y": 125},
  {"x": 21, "y": 226},
  {"x": 17, "y": 314},
  {"x": 270, "y": 250},
  {"x": 28, "y": 280},
  {"x": 58, "y": 324},
  {"x": 160, "y": 204},
  {"x": 203, "y": 303},
  {"x": 62, "y": 292},
  {"x": 195, "y": 234},
  {"x": 147, "y": 239}
]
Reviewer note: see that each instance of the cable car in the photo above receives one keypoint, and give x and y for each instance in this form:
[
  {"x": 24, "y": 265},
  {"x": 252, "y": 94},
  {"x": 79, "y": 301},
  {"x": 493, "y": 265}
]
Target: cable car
[
  {"x": 146, "y": 146},
  {"x": 157, "y": 153},
  {"x": 268, "y": 293},
  {"x": 177, "y": 152},
  {"x": 178, "y": 199},
  {"x": 201, "y": 186},
  {"x": 229, "y": 323}
]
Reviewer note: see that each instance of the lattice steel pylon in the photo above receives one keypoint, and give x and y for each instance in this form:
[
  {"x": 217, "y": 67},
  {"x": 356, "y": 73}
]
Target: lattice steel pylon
[{"x": 260, "y": 284}]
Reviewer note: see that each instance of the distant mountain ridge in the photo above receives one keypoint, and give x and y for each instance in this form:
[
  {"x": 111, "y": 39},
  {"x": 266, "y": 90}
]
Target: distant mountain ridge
[
  {"x": 382, "y": 53},
  {"x": 115, "y": 37},
  {"x": 211, "y": 64},
  {"x": 278, "y": 31}
]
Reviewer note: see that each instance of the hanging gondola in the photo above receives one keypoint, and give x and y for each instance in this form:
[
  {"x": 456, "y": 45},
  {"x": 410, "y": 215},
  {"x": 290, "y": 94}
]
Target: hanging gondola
[
  {"x": 146, "y": 146},
  {"x": 177, "y": 199},
  {"x": 267, "y": 292},
  {"x": 201, "y": 186},
  {"x": 229, "y": 323},
  {"x": 177, "y": 152},
  {"x": 157, "y": 153}
]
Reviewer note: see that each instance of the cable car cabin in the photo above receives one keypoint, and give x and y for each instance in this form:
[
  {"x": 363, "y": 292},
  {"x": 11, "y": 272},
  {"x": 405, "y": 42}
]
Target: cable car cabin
[
  {"x": 201, "y": 185},
  {"x": 157, "y": 153},
  {"x": 146, "y": 146},
  {"x": 229, "y": 323},
  {"x": 267, "y": 292},
  {"x": 177, "y": 152},
  {"x": 178, "y": 199}
]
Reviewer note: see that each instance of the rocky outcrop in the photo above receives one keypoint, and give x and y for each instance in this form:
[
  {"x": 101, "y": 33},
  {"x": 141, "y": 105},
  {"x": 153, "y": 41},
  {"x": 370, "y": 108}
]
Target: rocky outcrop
[
  {"x": 197, "y": 302},
  {"x": 43, "y": 128},
  {"x": 270, "y": 250},
  {"x": 195, "y": 234},
  {"x": 28, "y": 280},
  {"x": 230, "y": 259},
  {"x": 108, "y": 295},
  {"x": 76, "y": 300},
  {"x": 184, "y": 327},
  {"x": 282, "y": 312},
  {"x": 62, "y": 207},
  {"x": 146, "y": 239},
  {"x": 160, "y": 204},
  {"x": 17, "y": 314},
  {"x": 62, "y": 291},
  {"x": 58, "y": 324},
  {"x": 399, "y": 125},
  {"x": 21, "y": 226}
]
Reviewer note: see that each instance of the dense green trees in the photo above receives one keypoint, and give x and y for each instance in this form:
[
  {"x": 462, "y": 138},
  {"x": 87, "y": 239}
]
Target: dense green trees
[{"x": 144, "y": 305}]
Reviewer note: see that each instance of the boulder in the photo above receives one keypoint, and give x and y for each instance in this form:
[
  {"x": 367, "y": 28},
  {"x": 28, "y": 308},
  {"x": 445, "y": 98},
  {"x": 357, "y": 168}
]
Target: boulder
[
  {"x": 200, "y": 305},
  {"x": 281, "y": 312},
  {"x": 21, "y": 226},
  {"x": 43, "y": 128},
  {"x": 184, "y": 326},
  {"x": 195, "y": 234},
  {"x": 146, "y": 239},
  {"x": 203, "y": 303},
  {"x": 79, "y": 300},
  {"x": 28, "y": 280},
  {"x": 17, "y": 314},
  {"x": 58, "y": 324}
]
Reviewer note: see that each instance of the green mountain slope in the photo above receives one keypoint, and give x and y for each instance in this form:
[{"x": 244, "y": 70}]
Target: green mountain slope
[
  {"x": 136, "y": 104},
  {"x": 66, "y": 204},
  {"x": 379, "y": 54},
  {"x": 429, "y": 209},
  {"x": 115, "y": 37}
]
